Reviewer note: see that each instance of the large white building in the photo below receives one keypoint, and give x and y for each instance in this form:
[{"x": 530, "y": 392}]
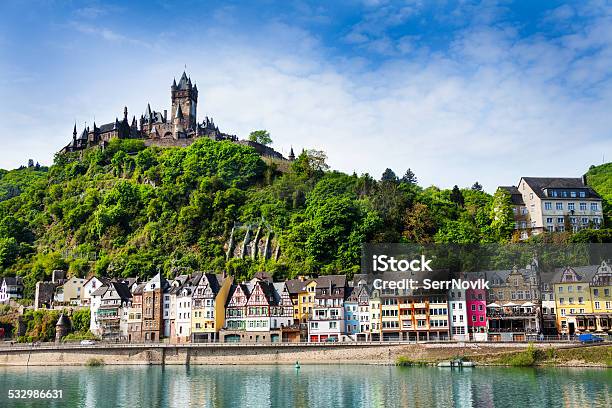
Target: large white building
[
  {"x": 554, "y": 204},
  {"x": 458, "y": 314}
]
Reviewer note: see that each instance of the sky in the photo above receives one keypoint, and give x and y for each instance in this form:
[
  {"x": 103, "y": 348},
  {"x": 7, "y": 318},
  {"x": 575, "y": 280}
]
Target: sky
[{"x": 458, "y": 91}]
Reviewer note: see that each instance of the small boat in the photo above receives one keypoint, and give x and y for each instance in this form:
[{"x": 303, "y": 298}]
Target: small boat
[
  {"x": 297, "y": 365},
  {"x": 456, "y": 364}
]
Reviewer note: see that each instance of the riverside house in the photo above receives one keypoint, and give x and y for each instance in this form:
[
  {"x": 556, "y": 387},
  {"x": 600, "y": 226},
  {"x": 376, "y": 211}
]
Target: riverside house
[
  {"x": 235, "y": 314},
  {"x": 513, "y": 308},
  {"x": 152, "y": 302},
  {"x": 476, "y": 303},
  {"x": 208, "y": 307},
  {"x": 327, "y": 323},
  {"x": 135, "y": 314},
  {"x": 457, "y": 307},
  {"x": 112, "y": 313}
]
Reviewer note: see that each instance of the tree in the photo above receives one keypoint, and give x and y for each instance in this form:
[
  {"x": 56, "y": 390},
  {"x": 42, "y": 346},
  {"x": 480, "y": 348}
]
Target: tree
[
  {"x": 310, "y": 164},
  {"x": 502, "y": 216},
  {"x": 261, "y": 137},
  {"x": 409, "y": 177},
  {"x": 388, "y": 175},
  {"x": 419, "y": 224},
  {"x": 456, "y": 196},
  {"x": 477, "y": 186}
]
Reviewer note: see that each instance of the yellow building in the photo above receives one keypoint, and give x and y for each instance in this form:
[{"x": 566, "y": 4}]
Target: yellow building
[
  {"x": 573, "y": 301},
  {"x": 601, "y": 296},
  {"x": 302, "y": 293},
  {"x": 208, "y": 307}
]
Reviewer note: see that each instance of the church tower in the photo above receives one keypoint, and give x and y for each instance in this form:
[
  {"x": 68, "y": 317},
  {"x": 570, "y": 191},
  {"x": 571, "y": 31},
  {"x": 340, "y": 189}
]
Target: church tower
[{"x": 185, "y": 95}]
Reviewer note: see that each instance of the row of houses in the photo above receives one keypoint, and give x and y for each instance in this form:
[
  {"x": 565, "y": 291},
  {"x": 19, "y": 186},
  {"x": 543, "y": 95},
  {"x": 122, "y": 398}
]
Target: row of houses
[{"x": 520, "y": 304}]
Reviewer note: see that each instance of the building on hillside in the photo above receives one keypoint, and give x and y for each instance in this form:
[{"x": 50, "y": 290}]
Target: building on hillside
[
  {"x": 281, "y": 314},
  {"x": 152, "y": 308},
  {"x": 327, "y": 322},
  {"x": 514, "y": 304},
  {"x": 45, "y": 291},
  {"x": 89, "y": 286},
  {"x": 70, "y": 292},
  {"x": 209, "y": 298},
  {"x": 183, "y": 312},
  {"x": 170, "y": 305},
  {"x": 11, "y": 288},
  {"x": 135, "y": 312},
  {"x": 555, "y": 204},
  {"x": 181, "y": 128}
]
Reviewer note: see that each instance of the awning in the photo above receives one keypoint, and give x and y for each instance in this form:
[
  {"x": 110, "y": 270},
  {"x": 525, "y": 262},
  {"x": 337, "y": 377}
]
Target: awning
[
  {"x": 493, "y": 305},
  {"x": 510, "y": 304},
  {"x": 527, "y": 304}
]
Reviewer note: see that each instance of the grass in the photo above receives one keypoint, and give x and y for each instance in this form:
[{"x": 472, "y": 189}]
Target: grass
[
  {"x": 94, "y": 362},
  {"x": 403, "y": 361},
  {"x": 532, "y": 356}
]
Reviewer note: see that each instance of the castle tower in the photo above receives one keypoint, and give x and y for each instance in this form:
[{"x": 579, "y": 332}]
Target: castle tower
[{"x": 185, "y": 95}]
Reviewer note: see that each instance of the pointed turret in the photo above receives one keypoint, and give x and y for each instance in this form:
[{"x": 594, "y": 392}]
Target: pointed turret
[
  {"x": 125, "y": 113},
  {"x": 148, "y": 113},
  {"x": 74, "y": 132},
  {"x": 173, "y": 87},
  {"x": 291, "y": 154}
]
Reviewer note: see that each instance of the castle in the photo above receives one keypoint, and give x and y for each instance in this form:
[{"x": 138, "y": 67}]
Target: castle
[{"x": 155, "y": 128}]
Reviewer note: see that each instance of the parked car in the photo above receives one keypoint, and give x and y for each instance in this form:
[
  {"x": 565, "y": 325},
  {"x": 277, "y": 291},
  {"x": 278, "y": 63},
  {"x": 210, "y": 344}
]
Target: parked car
[
  {"x": 589, "y": 338},
  {"x": 87, "y": 342},
  {"x": 332, "y": 339}
]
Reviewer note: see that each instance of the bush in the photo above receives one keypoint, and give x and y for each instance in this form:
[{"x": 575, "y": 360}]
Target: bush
[
  {"x": 403, "y": 361},
  {"x": 94, "y": 362}
]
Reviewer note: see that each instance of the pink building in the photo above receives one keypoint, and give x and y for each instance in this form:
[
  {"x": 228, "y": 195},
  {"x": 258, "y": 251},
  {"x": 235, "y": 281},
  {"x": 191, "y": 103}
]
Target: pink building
[{"x": 476, "y": 300}]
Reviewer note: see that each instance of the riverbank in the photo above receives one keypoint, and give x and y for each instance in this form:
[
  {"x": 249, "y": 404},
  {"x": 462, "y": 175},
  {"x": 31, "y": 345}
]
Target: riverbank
[{"x": 311, "y": 353}]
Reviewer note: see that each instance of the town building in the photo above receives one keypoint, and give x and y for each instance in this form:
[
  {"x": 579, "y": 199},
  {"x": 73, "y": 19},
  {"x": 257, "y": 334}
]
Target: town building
[
  {"x": 210, "y": 296},
  {"x": 152, "y": 306},
  {"x": 327, "y": 323},
  {"x": 457, "y": 305},
  {"x": 235, "y": 314},
  {"x": 135, "y": 312},
  {"x": 11, "y": 288},
  {"x": 554, "y": 204},
  {"x": 111, "y": 316},
  {"x": 351, "y": 312},
  {"x": 70, "y": 292},
  {"x": 89, "y": 286},
  {"x": 476, "y": 303},
  {"x": 513, "y": 304}
]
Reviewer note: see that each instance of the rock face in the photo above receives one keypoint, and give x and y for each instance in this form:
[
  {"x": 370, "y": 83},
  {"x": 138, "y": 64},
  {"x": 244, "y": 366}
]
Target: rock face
[{"x": 255, "y": 241}]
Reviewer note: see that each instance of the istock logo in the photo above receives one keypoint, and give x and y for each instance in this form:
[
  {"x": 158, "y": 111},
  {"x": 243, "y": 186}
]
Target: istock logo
[{"x": 385, "y": 263}]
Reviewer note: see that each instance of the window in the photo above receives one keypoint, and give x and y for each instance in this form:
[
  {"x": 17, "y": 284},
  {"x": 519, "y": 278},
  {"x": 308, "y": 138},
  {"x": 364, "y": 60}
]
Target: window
[
  {"x": 594, "y": 207},
  {"x": 597, "y": 306},
  {"x": 573, "y": 194},
  {"x": 560, "y": 220},
  {"x": 559, "y": 206},
  {"x": 549, "y": 220},
  {"x": 571, "y": 206},
  {"x": 548, "y": 205},
  {"x": 585, "y": 220},
  {"x": 583, "y": 206}
]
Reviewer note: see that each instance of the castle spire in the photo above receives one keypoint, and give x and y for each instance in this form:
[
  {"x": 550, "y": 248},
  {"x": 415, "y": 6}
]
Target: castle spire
[
  {"x": 74, "y": 131},
  {"x": 125, "y": 113},
  {"x": 291, "y": 154}
]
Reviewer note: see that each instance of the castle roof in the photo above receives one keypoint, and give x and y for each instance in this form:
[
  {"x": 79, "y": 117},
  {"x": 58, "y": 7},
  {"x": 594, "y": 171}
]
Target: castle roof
[{"x": 184, "y": 82}]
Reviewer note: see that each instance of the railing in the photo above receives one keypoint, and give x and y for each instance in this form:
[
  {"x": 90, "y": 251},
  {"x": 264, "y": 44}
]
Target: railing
[{"x": 121, "y": 345}]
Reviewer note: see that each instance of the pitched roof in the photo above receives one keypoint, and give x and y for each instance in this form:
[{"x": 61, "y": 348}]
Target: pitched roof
[
  {"x": 294, "y": 286},
  {"x": 100, "y": 291},
  {"x": 184, "y": 82},
  {"x": 515, "y": 195},
  {"x": 13, "y": 280},
  {"x": 540, "y": 184},
  {"x": 122, "y": 290}
]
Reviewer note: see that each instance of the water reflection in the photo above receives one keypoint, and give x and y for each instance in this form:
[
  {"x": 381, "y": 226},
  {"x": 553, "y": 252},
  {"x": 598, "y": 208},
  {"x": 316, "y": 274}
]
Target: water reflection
[{"x": 311, "y": 386}]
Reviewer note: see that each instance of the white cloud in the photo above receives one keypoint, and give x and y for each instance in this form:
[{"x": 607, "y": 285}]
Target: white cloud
[{"x": 494, "y": 108}]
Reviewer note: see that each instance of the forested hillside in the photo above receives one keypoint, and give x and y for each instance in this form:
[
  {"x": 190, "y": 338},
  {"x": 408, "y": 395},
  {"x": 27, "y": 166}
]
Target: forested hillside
[{"x": 130, "y": 210}]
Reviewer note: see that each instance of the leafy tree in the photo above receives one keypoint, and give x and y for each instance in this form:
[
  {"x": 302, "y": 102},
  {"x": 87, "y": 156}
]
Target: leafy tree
[
  {"x": 419, "y": 224},
  {"x": 261, "y": 137},
  {"x": 80, "y": 320}
]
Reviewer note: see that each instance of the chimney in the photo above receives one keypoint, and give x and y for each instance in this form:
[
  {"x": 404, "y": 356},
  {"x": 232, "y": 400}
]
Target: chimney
[
  {"x": 165, "y": 115},
  {"x": 584, "y": 179}
]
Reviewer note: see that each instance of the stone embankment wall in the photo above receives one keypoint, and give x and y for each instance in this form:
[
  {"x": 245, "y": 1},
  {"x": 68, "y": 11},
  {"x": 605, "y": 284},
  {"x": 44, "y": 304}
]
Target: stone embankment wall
[{"x": 157, "y": 354}]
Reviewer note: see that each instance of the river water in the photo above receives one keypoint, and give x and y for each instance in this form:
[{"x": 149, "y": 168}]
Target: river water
[{"x": 310, "y": 386}]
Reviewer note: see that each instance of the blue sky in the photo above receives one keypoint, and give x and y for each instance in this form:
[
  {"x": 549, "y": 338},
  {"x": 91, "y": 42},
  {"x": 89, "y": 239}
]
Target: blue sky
[{"x": 457, "y": 91}]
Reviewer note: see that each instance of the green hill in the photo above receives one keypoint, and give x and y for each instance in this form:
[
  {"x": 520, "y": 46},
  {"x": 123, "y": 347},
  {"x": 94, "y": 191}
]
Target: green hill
[
  {"x": 130, "y": 210},
  {"x": 600, "y": 179}
]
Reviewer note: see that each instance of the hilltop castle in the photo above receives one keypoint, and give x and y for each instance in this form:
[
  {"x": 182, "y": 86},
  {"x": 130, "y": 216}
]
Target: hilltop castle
[{"x": 155, "y": 128}]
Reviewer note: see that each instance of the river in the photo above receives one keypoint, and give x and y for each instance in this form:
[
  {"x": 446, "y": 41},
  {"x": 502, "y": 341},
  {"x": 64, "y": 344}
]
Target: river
[{"x": 309, "y": 386}]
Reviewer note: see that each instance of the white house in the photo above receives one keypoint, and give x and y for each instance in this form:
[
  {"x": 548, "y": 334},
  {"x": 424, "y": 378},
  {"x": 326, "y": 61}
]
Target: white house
[
  {"x": 183, "y": 314},
  {"x": 458, "y": 314},
  {"x": 11, "y": 288}
]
